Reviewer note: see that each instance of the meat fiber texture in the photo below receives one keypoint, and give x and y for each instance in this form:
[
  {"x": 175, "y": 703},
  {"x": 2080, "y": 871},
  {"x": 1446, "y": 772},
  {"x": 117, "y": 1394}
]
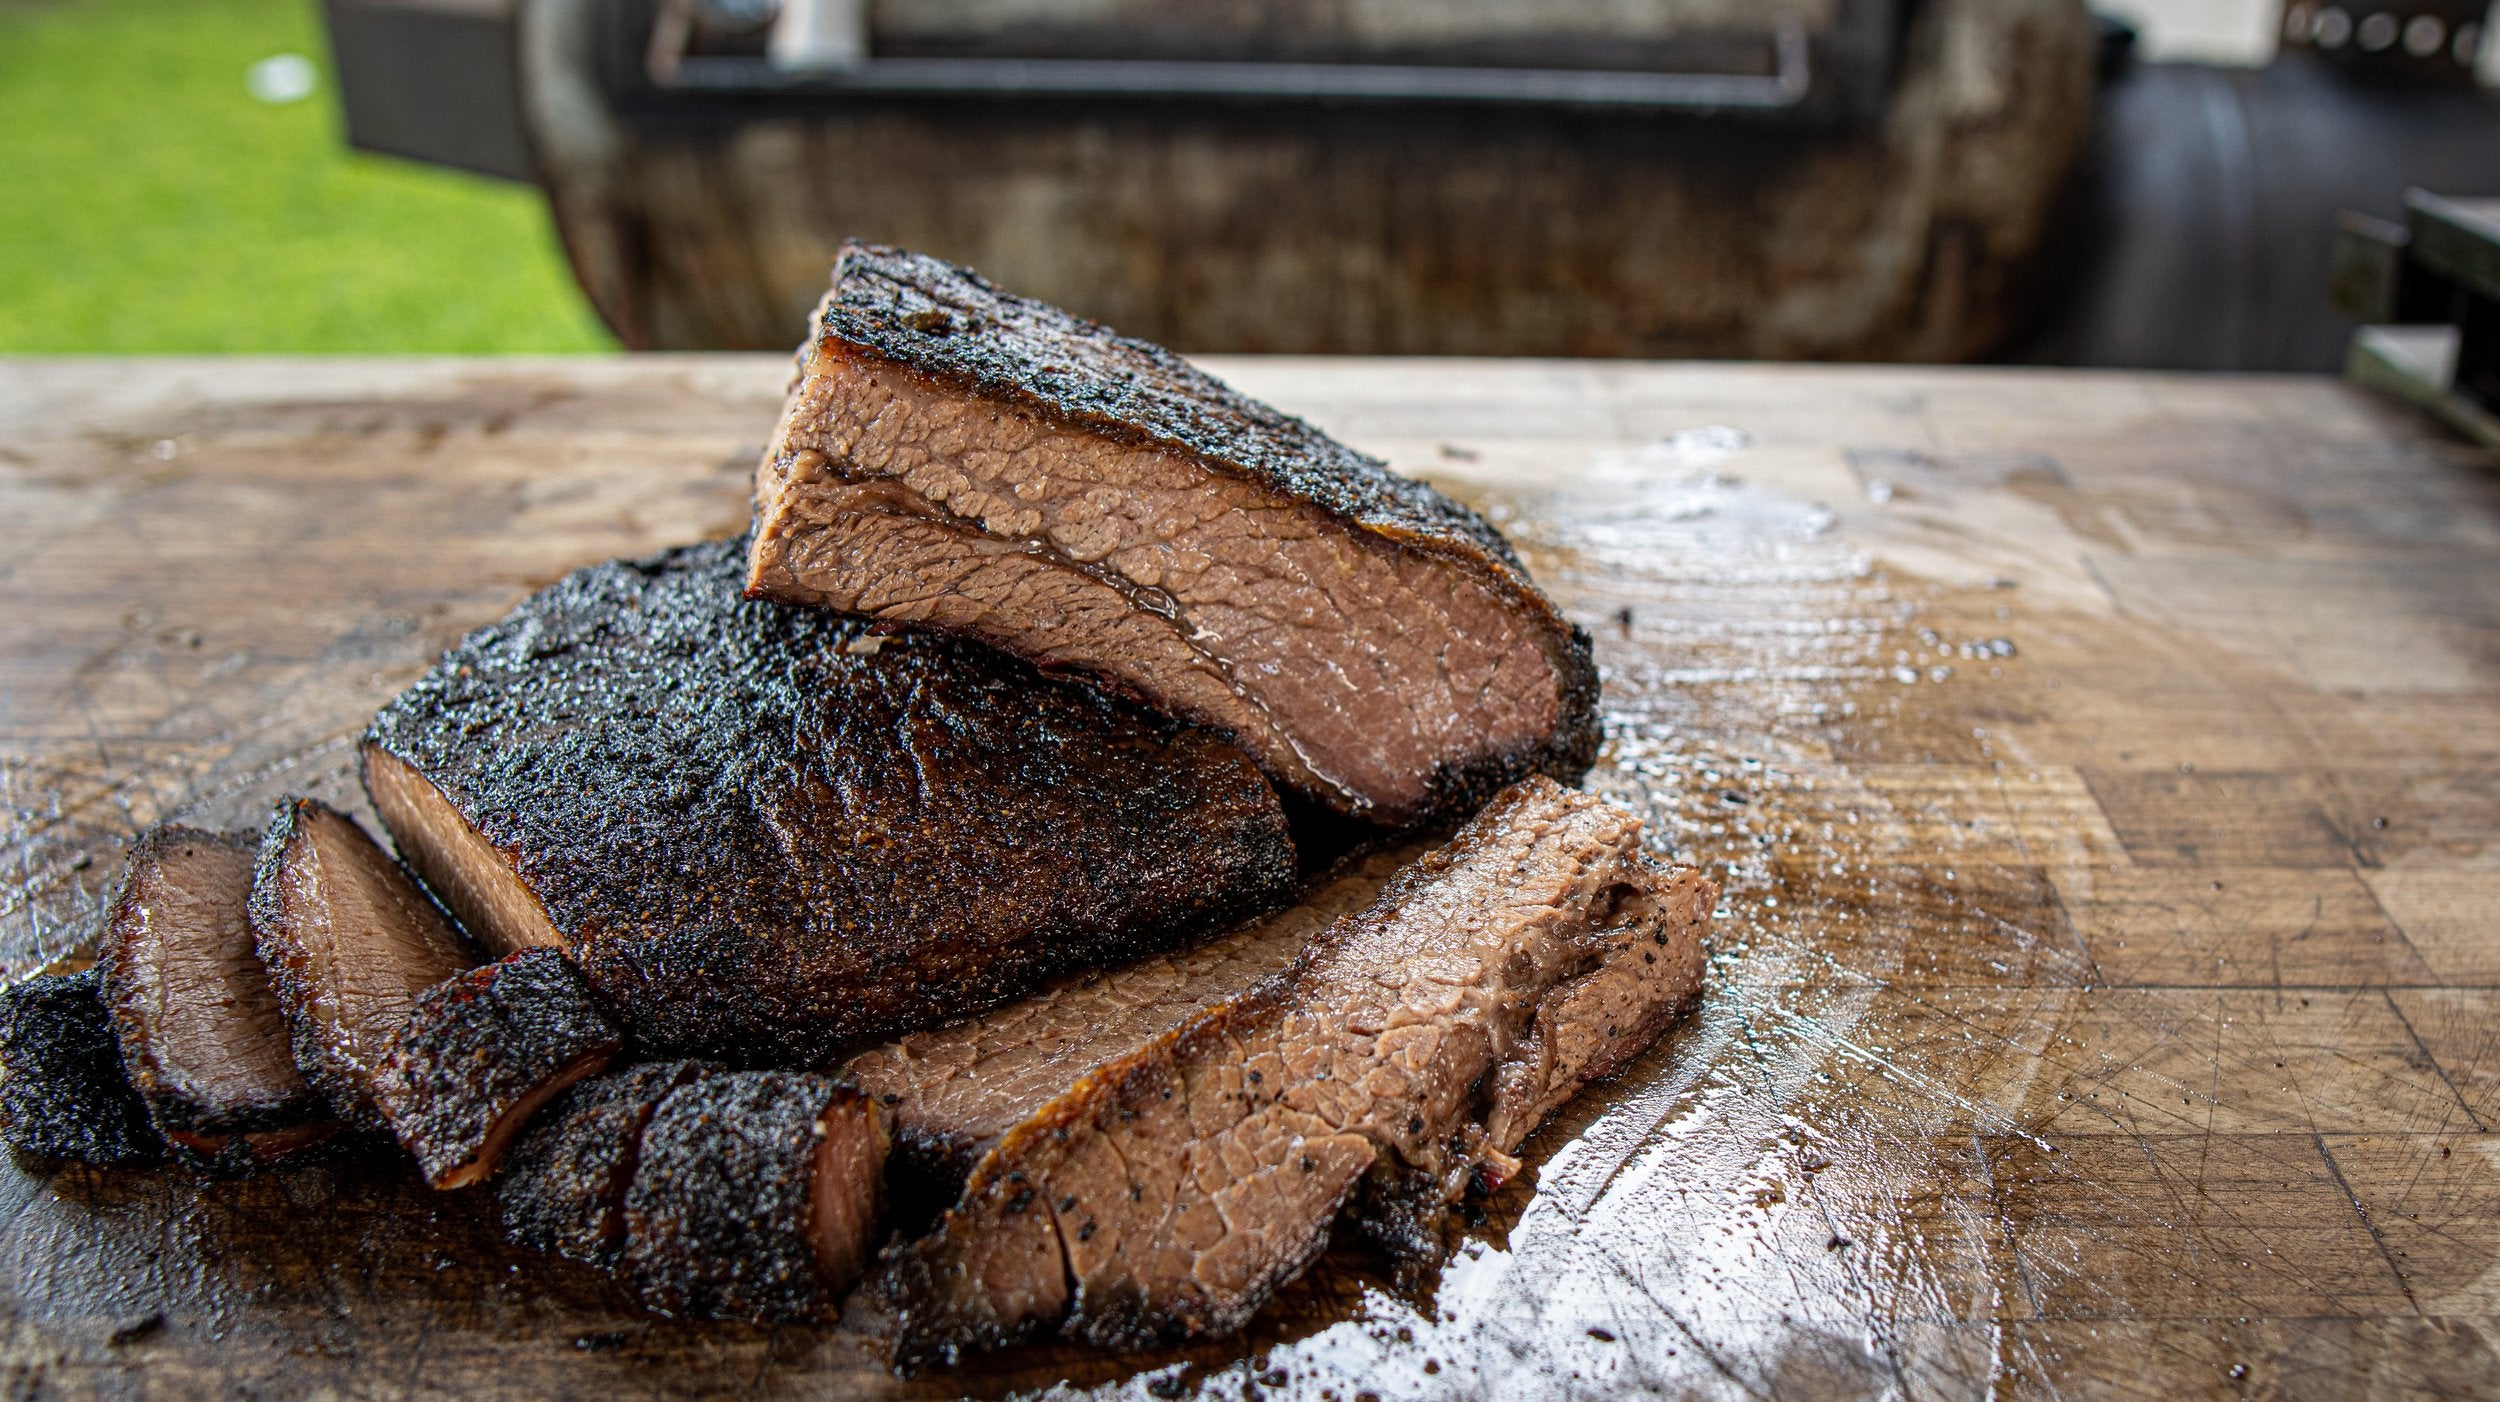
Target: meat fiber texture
[
  {"x": 350, "y": 942},
  {"x": 952, "y": 1092},
  {"x": 766, "y": 834},
  {"x": 201, "y": 1032},
  {"x": 564, "y": 1180},
  {"x": 955, "y": 456},
  {"x": 65, "y": 1095},
  {"x": 480, "y": 1053},
  {"x": 1168, "y": 1194}
]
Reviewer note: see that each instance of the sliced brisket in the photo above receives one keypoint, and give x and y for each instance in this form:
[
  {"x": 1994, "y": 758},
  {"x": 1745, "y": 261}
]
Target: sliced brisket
[
  {"x": 755, "y": 1197},
  {"x": 564, "y": 1180},
  {"x": 64, "y": 1094},
  {"x": 1169, "y": 1193},
  {"x": 952, "y": 1092},
  {"x": 764, "y": 832},
  {"x": 201, "y": 1033},
  {"x": 349, "y": 941},
  {"x": 956, "y": 456},
  {"x": 480, "y": 1052}
]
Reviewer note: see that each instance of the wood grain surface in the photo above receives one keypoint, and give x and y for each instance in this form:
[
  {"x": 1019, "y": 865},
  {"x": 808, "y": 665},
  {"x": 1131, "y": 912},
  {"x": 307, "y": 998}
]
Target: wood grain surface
[{"x": 2104, "y": 770}]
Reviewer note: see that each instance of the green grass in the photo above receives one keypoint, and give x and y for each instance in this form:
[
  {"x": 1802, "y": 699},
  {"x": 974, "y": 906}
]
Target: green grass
[{"x": 149, "y": 204}]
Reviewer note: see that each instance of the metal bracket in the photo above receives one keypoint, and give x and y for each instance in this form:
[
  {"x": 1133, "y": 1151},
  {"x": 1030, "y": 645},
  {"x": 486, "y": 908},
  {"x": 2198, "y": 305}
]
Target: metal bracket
[{"x": 789, "y": 72}]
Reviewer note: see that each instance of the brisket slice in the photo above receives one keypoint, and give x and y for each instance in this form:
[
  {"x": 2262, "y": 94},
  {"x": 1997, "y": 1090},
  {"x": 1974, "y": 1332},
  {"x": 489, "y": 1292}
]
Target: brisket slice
[
  {"x": 952, "y": 1092},
  {"x": 955, "y": 456},
  {"x": 65, "y": 1095},
  {"x": 201, "y": 1033},
  {"x": 1170, "y": 1193},
  {"x": 755, "y": 1197},
  {"x": 563, "y": 1183},
  {"x": 480, "y": 1052},
  {"x": 763, "y": 833},
  {"x": 349, "y": 941}
]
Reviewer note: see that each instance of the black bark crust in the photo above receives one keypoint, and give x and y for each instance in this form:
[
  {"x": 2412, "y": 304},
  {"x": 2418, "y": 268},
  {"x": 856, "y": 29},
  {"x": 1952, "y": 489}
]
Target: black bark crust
[
  {"x": 717, "y": 1220},
  {"x": 215, "y": 1137},
  {"x": 563, "y": 1183},
  {"x": 478, "y": 1046},
  {"x": 951, "y": 324},
  {"x": 765, "y": 832},
  {"x": 65, "y": 1095}
]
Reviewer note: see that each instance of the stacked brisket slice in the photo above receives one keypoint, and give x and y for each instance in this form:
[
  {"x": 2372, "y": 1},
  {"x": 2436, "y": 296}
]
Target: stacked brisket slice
[
  {"x": 959, "y": 457},
  {"x": 647, "y": 816}
]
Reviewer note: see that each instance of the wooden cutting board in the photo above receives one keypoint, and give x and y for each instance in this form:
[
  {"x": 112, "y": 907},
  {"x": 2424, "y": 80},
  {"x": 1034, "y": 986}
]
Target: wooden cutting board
[{"x": 2104, "y": 771}]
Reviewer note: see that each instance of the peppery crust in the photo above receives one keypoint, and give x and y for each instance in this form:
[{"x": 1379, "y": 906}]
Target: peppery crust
[
  {"x": 763, "y": 832},
  {"x": 481, "y": 1052},
  {"x": 563, "y": 1184},
  {"x": 65, "y": 1095},
  {"x": 720, "y": 1218}
]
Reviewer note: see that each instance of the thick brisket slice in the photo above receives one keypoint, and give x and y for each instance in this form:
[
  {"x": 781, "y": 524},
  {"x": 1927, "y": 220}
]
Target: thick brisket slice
[
  {"x": 763, "y": 832},
  {"x": 951, "y": 1093},
  {"x": 64, "y": 1095},
  {"x": 481, "y": 1051},
  {"x": 956, "y": 456},
  {"x": 201, "y": 1033},
  {"x": 1168, "y": 1194},
  {"x": 755, "y": 1197},
  {"x": 349, "y": 942},
  {"x": 563, "y": 1183}
]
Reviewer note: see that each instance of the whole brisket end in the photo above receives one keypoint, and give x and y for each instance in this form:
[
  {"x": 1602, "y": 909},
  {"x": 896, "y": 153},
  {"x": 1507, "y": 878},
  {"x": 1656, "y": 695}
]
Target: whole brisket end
[
  {"x": 349, "y": 941},
  {"x": 480, "y": 1053},
  {"x": 1168, "y": 1194},
  {"x": 201, "y": 1032},
  {"x": 763, "y": 833},
  {"x": 959, "y": 457},
  {"x": 64, "y": 1094},
  {"x": 563, "y": 1184},
  {"x": 755, "y": 1197}
]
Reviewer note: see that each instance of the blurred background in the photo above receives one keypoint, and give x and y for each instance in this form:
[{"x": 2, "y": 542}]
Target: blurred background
[{"x": 2151, "y": 183}]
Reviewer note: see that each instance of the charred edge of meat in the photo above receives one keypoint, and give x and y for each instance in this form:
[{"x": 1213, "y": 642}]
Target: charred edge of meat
[
  {"x": 726, "y": 807},
  {"x": 202, "y": 1036},
  {"x": 321, "y": 879},
  {"x": 755, "y": 1197},
  {"x": 65, "y": 1095},
  {"x": 473, "y": 876},
  {"x": 564, "y": 1180},
  {"x": 947, "y": 322},
  {"x": 481, "y": 1052}
]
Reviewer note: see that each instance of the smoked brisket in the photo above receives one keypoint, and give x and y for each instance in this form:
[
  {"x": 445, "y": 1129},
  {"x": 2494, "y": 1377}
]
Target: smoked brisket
[
  {"x": 349, "y": 942},
  {"x": 480, "y": 1053},
  {"x": 762, "y": 832},
  {"x": 563, "y": 1184},
  {"x": 64, "y": 1094},
  {"x": 201, "y": 1033},
  {"x": 1169, "y": 1193},
  {"x": 952, "y": 1092},
  {"x": 956, "y": 456},
  {"x": 754, "y": 1197}
]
